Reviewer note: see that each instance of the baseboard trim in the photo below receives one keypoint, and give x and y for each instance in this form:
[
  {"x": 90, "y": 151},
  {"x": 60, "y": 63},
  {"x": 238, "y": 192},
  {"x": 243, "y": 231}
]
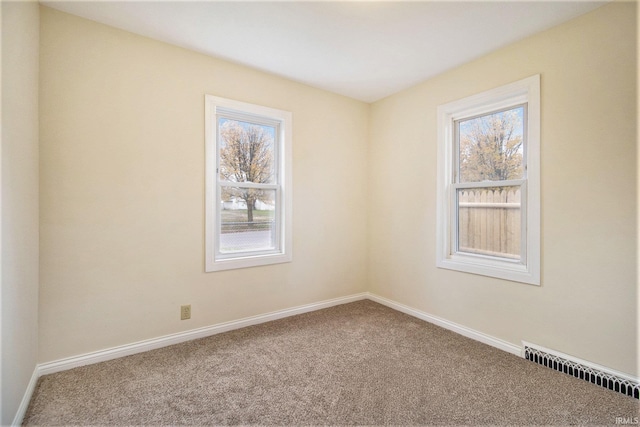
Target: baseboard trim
[
  {"x": 460, "y": 329},
  {"x": 24, "y": 404},
  {"x": 167, "y": 340}
]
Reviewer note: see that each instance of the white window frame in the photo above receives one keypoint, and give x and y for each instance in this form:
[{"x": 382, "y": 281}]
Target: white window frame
[
  {"x": 282, "y": 121},
  {"x": 527, "y": 269}
]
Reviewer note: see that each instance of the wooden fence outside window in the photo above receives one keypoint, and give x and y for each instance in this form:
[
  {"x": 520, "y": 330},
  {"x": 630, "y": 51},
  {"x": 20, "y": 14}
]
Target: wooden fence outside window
[{"x": 489, "y": 222}]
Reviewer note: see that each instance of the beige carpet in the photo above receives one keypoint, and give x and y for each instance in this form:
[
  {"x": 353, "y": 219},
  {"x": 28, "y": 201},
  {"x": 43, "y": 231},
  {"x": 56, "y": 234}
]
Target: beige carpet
[{"x": 355, "y": 364}]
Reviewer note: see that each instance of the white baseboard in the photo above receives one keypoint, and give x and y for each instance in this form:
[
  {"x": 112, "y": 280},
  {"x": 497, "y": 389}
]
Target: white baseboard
[
  {"x": 164, "y": 341},
  {"x": 151, "y": 344},
  {"x": 24, "y": 404},
  {"x": 462, "y": 330}
]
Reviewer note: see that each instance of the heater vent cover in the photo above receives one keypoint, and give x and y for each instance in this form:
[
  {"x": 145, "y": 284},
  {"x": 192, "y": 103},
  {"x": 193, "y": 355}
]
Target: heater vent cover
[{"x": 581, "y": 369}]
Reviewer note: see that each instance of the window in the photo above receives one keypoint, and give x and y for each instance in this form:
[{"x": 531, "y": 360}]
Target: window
[
  {"x": 489, "y": 183},
  {"x": 248, "y": 187}
]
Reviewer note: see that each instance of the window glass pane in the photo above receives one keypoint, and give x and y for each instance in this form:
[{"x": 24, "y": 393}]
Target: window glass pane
[
  {"x": 491, "y": 146},
  {"x": 247, "y": 152},
  {"x": 489, "y": 221},
  {"x": 247, "y": 220}
]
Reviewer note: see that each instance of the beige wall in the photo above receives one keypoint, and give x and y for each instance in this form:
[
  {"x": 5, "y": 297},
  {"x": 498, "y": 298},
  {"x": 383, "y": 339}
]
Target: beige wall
[
  {"x": 586, "y": 305},
  {"x": 122, "y": 190},
  {"x": 19, "y": 203}
]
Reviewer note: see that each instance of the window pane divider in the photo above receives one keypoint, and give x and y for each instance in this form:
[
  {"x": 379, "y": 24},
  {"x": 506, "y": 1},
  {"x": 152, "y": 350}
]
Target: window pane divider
[
  {"x": 488, "y": 184},
  {"x": 249, "y": 185}
]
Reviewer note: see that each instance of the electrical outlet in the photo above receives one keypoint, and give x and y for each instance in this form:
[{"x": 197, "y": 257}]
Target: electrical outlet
[{"x": 185, "y": 312}]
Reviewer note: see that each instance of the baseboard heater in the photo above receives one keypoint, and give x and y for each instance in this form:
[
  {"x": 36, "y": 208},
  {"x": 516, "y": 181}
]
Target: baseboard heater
[{"x": 581, "y": 369}]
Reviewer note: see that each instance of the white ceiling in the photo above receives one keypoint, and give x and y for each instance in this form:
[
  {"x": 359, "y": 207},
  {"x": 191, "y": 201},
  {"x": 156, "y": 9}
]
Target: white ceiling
[{"x": 364, "y": 50}]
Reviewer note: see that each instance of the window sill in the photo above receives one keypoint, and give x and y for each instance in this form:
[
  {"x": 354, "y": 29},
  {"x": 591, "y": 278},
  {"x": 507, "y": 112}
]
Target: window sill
[
  {"x": 244, "y": 261},
  {"x": 491, "y": 267}
]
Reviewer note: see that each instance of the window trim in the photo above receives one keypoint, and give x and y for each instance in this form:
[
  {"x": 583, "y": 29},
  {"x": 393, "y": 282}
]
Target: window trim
[
  {"x": 283, "y": 152},
  {"x": 523, "y": 91}
]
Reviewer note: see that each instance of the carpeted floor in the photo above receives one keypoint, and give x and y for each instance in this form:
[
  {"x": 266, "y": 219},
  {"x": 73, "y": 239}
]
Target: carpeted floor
[{"x": 354, "y": 364}]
